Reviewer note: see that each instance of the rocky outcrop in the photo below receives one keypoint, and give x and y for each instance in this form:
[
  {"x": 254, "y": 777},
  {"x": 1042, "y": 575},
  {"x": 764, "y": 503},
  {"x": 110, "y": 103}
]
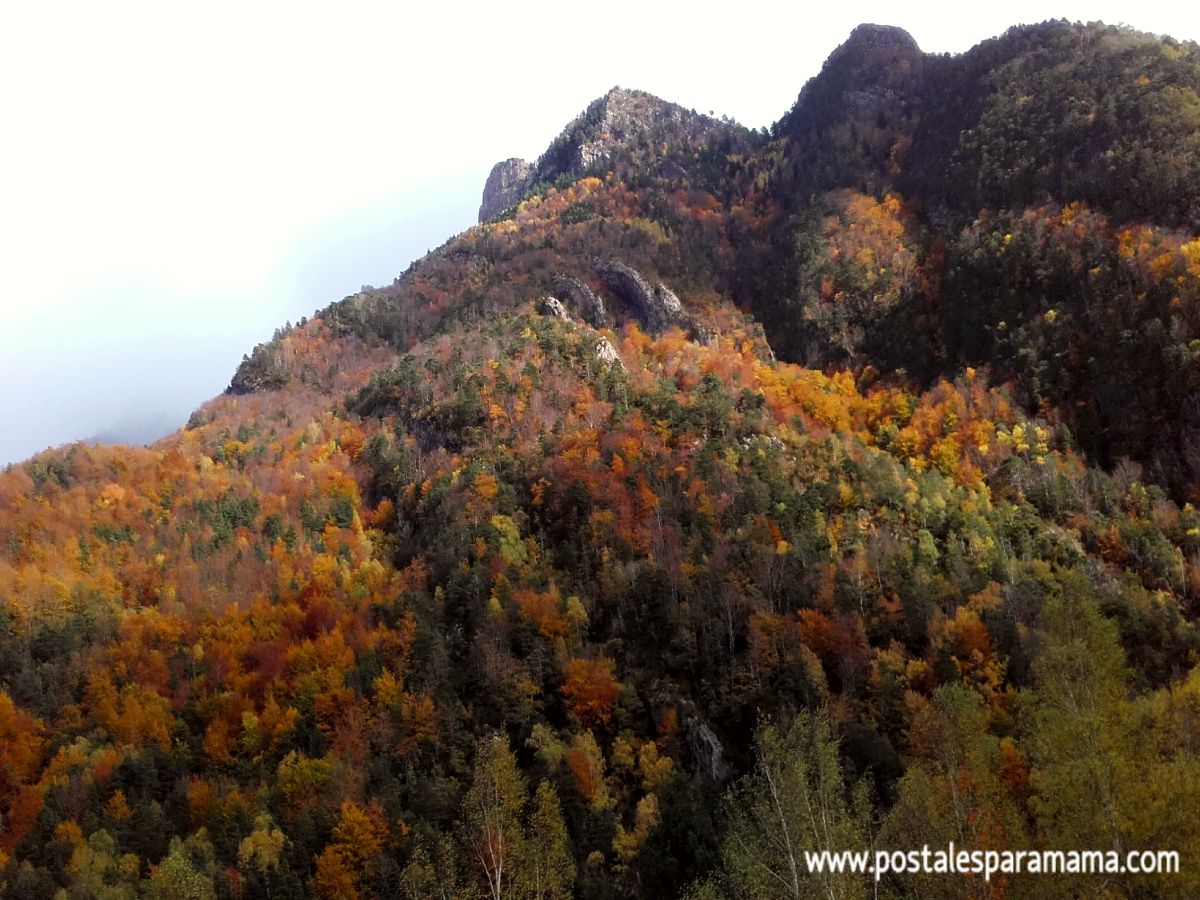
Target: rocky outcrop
[
  {"x": 623, "y": 132},
  {"x": 261, "y": 370},
  {"x": 657, "y": 308},
  {"x": 762, "y": 347},
  {"x": 707, "y": 751},
  {"x": 620, "y": 116},
  {"x": 698, "y": 332},
  {"x": 854, "y": 122},
  {"x": 629, "y": 129},
  {"x": 582, "y": 299},
  {"x": 552, "y": 306},
  {"x": 607, "y": 353},
  {"x": 868, "y": 37},
  {"x": 667, "y": 301},
  {"x": 506, "y": 185}
]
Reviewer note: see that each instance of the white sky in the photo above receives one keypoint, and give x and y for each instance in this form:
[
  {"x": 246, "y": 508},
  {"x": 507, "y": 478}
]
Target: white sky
[{"x": 176, "y": 180}]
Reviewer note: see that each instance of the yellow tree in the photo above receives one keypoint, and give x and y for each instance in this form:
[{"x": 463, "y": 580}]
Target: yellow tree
[
  {"x": 550, "y": 870},
  {"x": 344, "y": 867},
  {"x": 491, "y": 818}
]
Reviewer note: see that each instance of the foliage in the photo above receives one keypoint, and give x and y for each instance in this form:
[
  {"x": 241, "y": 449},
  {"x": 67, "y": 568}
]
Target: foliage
[{"x": 441, "y": 598}]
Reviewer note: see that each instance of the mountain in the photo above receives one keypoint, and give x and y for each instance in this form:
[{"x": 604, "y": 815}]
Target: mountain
[
  {"x": 715, "y": 478},
  {"x": 631, "y": 134},
  {"x": 1037, "y": 209}
]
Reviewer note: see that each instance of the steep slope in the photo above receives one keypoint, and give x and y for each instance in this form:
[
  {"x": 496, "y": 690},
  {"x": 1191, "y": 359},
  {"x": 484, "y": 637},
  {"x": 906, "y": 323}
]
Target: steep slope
[
  {"x": 631, "y": 134},
  {"x": 850, "y": 123},
  {"x": 1063, "y": 113},
  {"x": 1029, "y": 206},
  {"x": 1056, "y": 112},
  {"x": 533, "y": 542}
]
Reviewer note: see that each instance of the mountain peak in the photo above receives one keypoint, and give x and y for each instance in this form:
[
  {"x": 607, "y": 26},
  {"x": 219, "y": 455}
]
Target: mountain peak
[
  {"x": 584, "y": 144},
  {"x": 869, "y": 37},
  {"x": 506, "y": 184},
  {"x": 870, "y": 77},
  {"x": 618, "y": 92},
  {"x": 622, "y": 129},
  {"x": 619, "y": 119},
  {"x": 871, "y": 54}
]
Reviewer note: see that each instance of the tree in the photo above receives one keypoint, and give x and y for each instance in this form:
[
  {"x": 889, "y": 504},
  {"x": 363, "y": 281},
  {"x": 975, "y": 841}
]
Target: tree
[
  {"x": 794, "y": 801},
  {"x": 345, "y": 867},
  {"x": 1103, "y": 776},
  {"x": 955, "y": 790},
  {"x": 96, "y": 871},
  {"x": 435, "y": 870},
  {"x": 261, "y": 850},
  {"x": 187, "y": 871},
  {"x": 491, "y": 818},
  {"x": 591, "y": 690},
  {"x": 22, "y": 738},
  {"x": 550, "y": 868}
]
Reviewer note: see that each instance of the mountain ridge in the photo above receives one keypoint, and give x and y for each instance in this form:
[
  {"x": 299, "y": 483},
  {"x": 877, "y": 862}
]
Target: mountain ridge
[
  {"x": 715, "y": 472},
  {"x": 615, "y": 126}
]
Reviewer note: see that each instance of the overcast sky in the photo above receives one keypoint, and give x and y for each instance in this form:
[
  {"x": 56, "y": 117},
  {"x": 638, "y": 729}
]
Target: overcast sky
[{"x": 177, "y": 180}]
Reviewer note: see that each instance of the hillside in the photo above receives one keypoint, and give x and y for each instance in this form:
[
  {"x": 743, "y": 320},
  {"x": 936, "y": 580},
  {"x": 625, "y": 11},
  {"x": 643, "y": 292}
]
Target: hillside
[
  {"x": 1037, "y": 209},
  {"x": 715, "y": 475}
]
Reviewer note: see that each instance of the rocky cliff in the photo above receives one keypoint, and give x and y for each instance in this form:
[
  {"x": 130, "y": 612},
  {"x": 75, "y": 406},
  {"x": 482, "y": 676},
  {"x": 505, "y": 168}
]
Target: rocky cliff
[
  {"x": 623, "y": 132},
  {"x": 506, "y": 184}
]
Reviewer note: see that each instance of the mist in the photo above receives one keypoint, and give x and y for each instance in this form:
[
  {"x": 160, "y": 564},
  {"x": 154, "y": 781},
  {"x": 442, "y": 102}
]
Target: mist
[{"x": 86, "y": 381}]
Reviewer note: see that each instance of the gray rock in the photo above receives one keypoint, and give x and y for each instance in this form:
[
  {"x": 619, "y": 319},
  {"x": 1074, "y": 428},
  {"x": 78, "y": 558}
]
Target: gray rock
[
  {"x": 707, "y": 750},
  {"x": 697, "y": 331},
  {"x": 623, "y": 114},
  {"x": 622, "y": 121},
  {"x": 582, "y": 299},
  {"x": 657, "y": 308},
  {"x": 876, "y": 37},
  {"x": 506, "y": 185},
  {"x": 667, "y": 300},
  {"x": 552, "y": 306},
  {"x": 607, "y": 353}
]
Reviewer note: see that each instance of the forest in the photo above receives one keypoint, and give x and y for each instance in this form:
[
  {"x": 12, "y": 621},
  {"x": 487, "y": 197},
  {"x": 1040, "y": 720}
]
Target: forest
[{"x": 854, "y": 468}]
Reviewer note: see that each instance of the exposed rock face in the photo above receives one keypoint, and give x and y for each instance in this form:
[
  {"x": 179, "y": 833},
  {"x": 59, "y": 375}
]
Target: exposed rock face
[
  {"x": 761, "y": 345},
  {"x": 867, "y": 37},
  {"x": 877, "y": 66},
  {"x": 582, "y": 299},
  {"x": 607, "y": 353},
  {"x": 697, "y": 331},
  {"x": 657, "y": 307},
  {"x": 630, "y": 125},
  {"x": 667, "y": 300},
  {"x": 858, "y": 109},
  {"x": 623, "y": 131},
  {"x": 261, "y": 370},
  {"x": 505, "y": 186},
  {"x": 707, "y": 750},
  {"x": 621, "y": 115},
  {"x": 552, "y": 306}
]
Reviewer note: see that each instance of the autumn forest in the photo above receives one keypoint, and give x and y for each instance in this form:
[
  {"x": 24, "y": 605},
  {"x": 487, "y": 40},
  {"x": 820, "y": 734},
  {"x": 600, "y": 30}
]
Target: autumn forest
[{"x": 724, "y": 477}]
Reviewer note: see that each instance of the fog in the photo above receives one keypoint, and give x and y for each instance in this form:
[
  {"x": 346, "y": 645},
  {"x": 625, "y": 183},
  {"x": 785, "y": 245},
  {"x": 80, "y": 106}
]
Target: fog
[
  {"x": 127, "y": 361},
  {"x": 177, "y": 183}
]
